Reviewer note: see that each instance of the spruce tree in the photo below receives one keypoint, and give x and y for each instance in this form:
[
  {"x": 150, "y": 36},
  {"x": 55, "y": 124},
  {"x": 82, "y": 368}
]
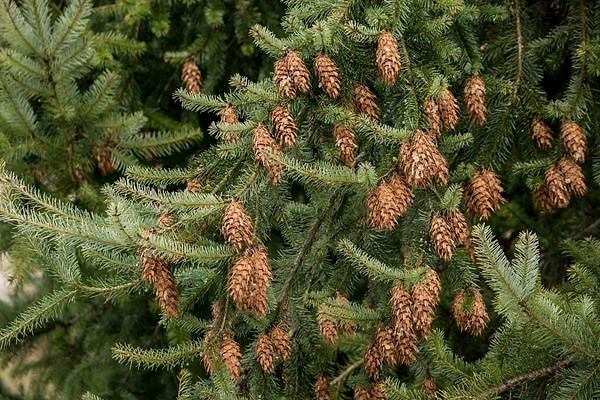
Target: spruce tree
[{"x": 330, "y": 244}]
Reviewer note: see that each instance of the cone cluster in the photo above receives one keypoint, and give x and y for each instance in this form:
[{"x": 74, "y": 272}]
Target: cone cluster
[
  {"x": 365, "y": 101},
  {"x": 387, "y": 202},
  {"x": 561, "y": 180},
  {"x": 237, "y": 226},
  {"x": 290, "y": 74},
  {"x": 475, "y": 98},
  {"x": 248, "y": 280},
  {"x": 473, "y": 320},
  {"x": 541, "y": 133},
  {"x": 284, "y": 126},
  {"x": 574, "y": 140},
  {"x": 345, "y": 142},
  {"x": 328, "y": 74},
  {"x": 322, "y": 389},
  {"x": 422, "y": 162},
  {"x": 191, "y": 76},
  {"x": 102, "y": 154},
  {"x": 155, "y": 270},
  {"x": 447, "y": 231},
  {"x": 387, "y": 57},
  {"x": 229, "y": 115},
  {"x": 231, "y": 355},
  {"x": 483, "y": 195},
  {"x": 262, "y": 145}
]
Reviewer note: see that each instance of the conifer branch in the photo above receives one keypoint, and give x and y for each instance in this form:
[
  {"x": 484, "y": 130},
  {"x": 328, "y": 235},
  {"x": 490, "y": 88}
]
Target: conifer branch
[
  {"x": 517, "y": 12},
  {"x": 338, "y": 379},
  {"x": 169, "y": 358}
]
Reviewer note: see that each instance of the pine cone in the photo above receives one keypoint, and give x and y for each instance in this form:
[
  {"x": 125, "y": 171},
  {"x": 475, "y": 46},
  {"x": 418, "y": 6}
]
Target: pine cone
[
  {"x": 428, "y": 387},
  {"x": 406, "y": 339},
  {"x": 475, "y": 98},
  {"x": 448, "y": 107},
  {"x": 377, "y": 392},
  {"x": 574, "y": 140},
  {"x": 425, "y": 297},
  {"x": 102, "y": 153},
  {"x": 237, "y": 226},
  {"x": 283, "y": 78},
  {"x": 345, "y": 142},
  {"x": 155, "y": 270},
  {"x": 229, "y": 116},
  {"x": 322, "y": 391},
  {"x": 474, "y": 320},
  {"x": 422, "y": 161},
  {"x": 386, "y": 343},
  {"x": 248, "y": 281},
  {"x": 373, "y": 360},
  {"x": 364, "y": 101},
  {"x": 265, "y": 353},
  {"x": 542, "y": 200},
  {"x": 262, "y": 144},
  {"x": 387, "y": 57},
  {"x": 284, "y": 125},
  {"x": 298, "y": 71},
  {"x": 165, "y": 220},
  {"x": 433, "y": 117},
  {"x": 383, "y": 208},
  {"x": 328, "y": 74},
  {"x": 557, "y": 187},
  {"x": 361, "y": 393},
  {"x": 484, "y": 194},
  {"x": 441, "y": 237},
  {"x": 458, "y": 226},
  {"x": 573, "y": 175},
  {"x": 281, "y": 342},
  {"x": 402, "y": 193},
  {"x": 541, "y": 133},
  {"x": 194, "y": 186},
  {"x": 231, "y": 356},
  {"x": 327, "y": 327},
  {"x": 191, "y": 76}
]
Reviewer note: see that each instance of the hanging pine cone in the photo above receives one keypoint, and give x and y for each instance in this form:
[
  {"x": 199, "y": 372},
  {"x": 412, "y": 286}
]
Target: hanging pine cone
[
  {"x": 484, "y": 194},
  {"x": 191, "y": 76},
  {"x": 425, "y": 297},
  {"x": 428, "y": 387},
  {"x": 542, "y": 200},
  {"x": 574, "y": 140},
  {"x": 448, "y": 107},
  {"x": 373, "y": 361},
  {"x": 248, "y": 281},
  {"x": 383, "y": 208},
  {"x": 262, "y": 145},
  {"x": 237, "y": 226},
  {"x": 361, "y": 393},
  {"x": 573, "y": 176},
  {"x": 387, "y": 57},
  {"x": 322, "y": 390},
  {"x": 165, "y": 220},
  {"x": 231, "y": 356},
  {"x": 155, "y": 270},
  {"x": 229, "y": 116},
  {"x": 265, "y": 353},
  {"x": 377, "y": 392},
  {"x": 475, "y": 98},
  {"x": 473, "y": 320},
  {"x": 327, "y": 327},
  {"x": 194, "y": 186},
  {"x": 541, "y": 133},
  {"x": 365, "y": 101},
  {"x": 298, "y": 71},
  {"x": 328, "y": 75},
  {"x": 386, "y": 343},
  {"x": 283, "y": 78},
  {"x": 284, "y": 125},
  {"x": 458, "y": 226},
  {"x": 433, "y": 117},
  {"x": 281, "y": 342},
  {"x": 441, "y": 237},
  {"x": 402, "y": 193},
  {"x": 406, "y": 339},
  {"x": 557, "y": 187},
  {"x": 345, "y": 142},
  {"x": 422, "y": 161}
]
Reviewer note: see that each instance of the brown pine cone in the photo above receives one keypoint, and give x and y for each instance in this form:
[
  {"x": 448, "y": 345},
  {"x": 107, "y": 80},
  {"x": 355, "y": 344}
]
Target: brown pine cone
[
  {"x": 265, "y": 352},
  {"x": 373, "y": 361},
  {"x": 377, "y": 392},
  {"x": 386, "y": 343},
  {"x": 231, "y": 356},
  {"x": 248, "y": 281},
  {"x": 425, "y": 297},
  {"x": 542, "y": 200},
  {"x": 283, "y": 78},
  {"x": 156, "y": 271},
  {"x": 574, "y": 140},
  {"x": 328, "y": 74},
  {"x": 422, "y": 161},
  {"x": 573, "y": 175},
  {"x": 345, "y": 142},
  {"x": 406, "y": 339},
  {"x": 484, "y": 194},
  {"x": 541, "y": 133},
  {"x": 433, "y": 117},
  {"x": 103, "y": 154},
  {"x": 474, "y": 320},
  {"x": 428, "y": 387},
  {"x": 191, "y": 76},
  {"x": 327, "y": 327},
  {"x": 402, "y": 193},
  {"x": 557, "y": 187},
  {"x": 298, "y": 71},
  {"x": 458, "y": 226},
  {"x": 448, "y": 107},
  {"x": 475, "y": 98},
  {"x": 383, "y": 207},
  {"x": 322, "y": 390},
  {"x": 365, "y": 101},
  {"x": 387, "y": 57},
  {"x": 441, "y": 237},
  {"x": 229, "y": 116},
  {"x": 262, "y": 145},
  {"x": 237, "y": 226},
  {"x": 281, "y": 341},
  {"x": 284, "y": 125},
  {"x": 361, "y": 393},
  {"x": 194, "y": 186}
]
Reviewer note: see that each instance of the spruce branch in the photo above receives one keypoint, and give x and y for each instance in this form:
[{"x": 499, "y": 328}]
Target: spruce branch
[
  {"x": 338, "y": 379},
  {"x": 168, "y": 358}
]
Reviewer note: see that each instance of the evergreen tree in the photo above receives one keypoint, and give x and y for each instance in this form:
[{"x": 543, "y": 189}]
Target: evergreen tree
[{"x": 325, "y": 246}]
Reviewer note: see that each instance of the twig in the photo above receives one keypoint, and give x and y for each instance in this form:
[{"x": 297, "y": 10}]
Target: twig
[
  {"x": 338, "y": 379},
  {"x": 496, "y": 390},
  {"x": 517, "y": 12}
]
